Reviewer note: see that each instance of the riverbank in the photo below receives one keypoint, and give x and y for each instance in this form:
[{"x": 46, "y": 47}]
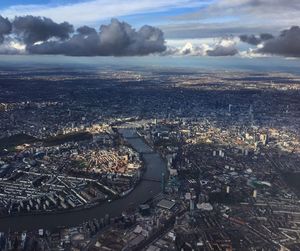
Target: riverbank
[{"x": 146, "y": 189}]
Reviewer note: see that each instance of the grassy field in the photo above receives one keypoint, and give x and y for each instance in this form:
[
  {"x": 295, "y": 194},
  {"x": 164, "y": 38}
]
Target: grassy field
[
  {"x": 15, "y": 140},
  {"x": 72, "y": 137}
]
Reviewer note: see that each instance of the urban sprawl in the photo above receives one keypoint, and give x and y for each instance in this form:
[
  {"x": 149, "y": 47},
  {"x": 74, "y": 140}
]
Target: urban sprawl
[{"x": 213, "y": 158}]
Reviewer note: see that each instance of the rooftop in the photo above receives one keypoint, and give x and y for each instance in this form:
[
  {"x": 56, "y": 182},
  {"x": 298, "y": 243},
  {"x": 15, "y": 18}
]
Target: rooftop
[{"x": 166, "y": 204}]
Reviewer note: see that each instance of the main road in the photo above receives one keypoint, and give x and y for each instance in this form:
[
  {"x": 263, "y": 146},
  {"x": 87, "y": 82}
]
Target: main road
[{"x": 145, "y": 190}]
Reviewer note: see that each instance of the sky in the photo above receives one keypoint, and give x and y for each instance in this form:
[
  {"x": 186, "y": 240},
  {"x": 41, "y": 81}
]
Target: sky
[{"x": 244, "y": 28}]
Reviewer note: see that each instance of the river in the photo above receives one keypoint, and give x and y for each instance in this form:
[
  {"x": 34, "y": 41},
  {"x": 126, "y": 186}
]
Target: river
[
  {"x": 145, "y": 190},
  {"x": 292, "y": 179}
]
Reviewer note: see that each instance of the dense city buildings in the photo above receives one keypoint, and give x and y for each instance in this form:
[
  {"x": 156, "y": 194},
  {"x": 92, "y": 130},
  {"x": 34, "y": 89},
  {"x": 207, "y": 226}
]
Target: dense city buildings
[{"x": 171, "y": 159}]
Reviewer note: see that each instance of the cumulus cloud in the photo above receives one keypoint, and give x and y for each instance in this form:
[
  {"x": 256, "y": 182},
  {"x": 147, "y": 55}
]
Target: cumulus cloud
[
  {"x": 115, "y": 39},
  {"x": 286, "y": 44},
  {"x": 226, "y": 47},
  {"x": 256, "y": 40},
  {"x": 41, "y": 35},
  {"x": 5, "y": 28},
  {"x": 189, "y": 49},
  {"x": 38, "y": 29},
  {"x": 11, "y": 47}
]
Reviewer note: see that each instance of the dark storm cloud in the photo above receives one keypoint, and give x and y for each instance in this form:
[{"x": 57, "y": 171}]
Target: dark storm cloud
[
  {"x": 221, "y": 51},
  {"x": 286, "y": 44},
  {"x": 115, "y": 39},
  {"x": 5, "y": 28},
  {"x": 250, "y": 39},
  {"x": 266, "y": 36},
  {"x": 77, "y": 45},
  {"x": 32, "y": 29},
  {"x": 86, "y": 30},
  {"x": 256, "y": 40}
]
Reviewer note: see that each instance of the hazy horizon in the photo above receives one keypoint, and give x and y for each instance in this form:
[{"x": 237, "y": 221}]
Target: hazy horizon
[{"x": 266, "y": 64}]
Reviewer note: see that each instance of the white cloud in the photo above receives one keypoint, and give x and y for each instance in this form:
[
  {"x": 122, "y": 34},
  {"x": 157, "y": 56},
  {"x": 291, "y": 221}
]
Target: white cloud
[
  {"x": 194, "y": 50},
  {"x": 11, "y": 46},
  {"x": 203, "y": 47},
  {"x": 182, "y": 42},
  {"x": 252, "y": 53}
]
